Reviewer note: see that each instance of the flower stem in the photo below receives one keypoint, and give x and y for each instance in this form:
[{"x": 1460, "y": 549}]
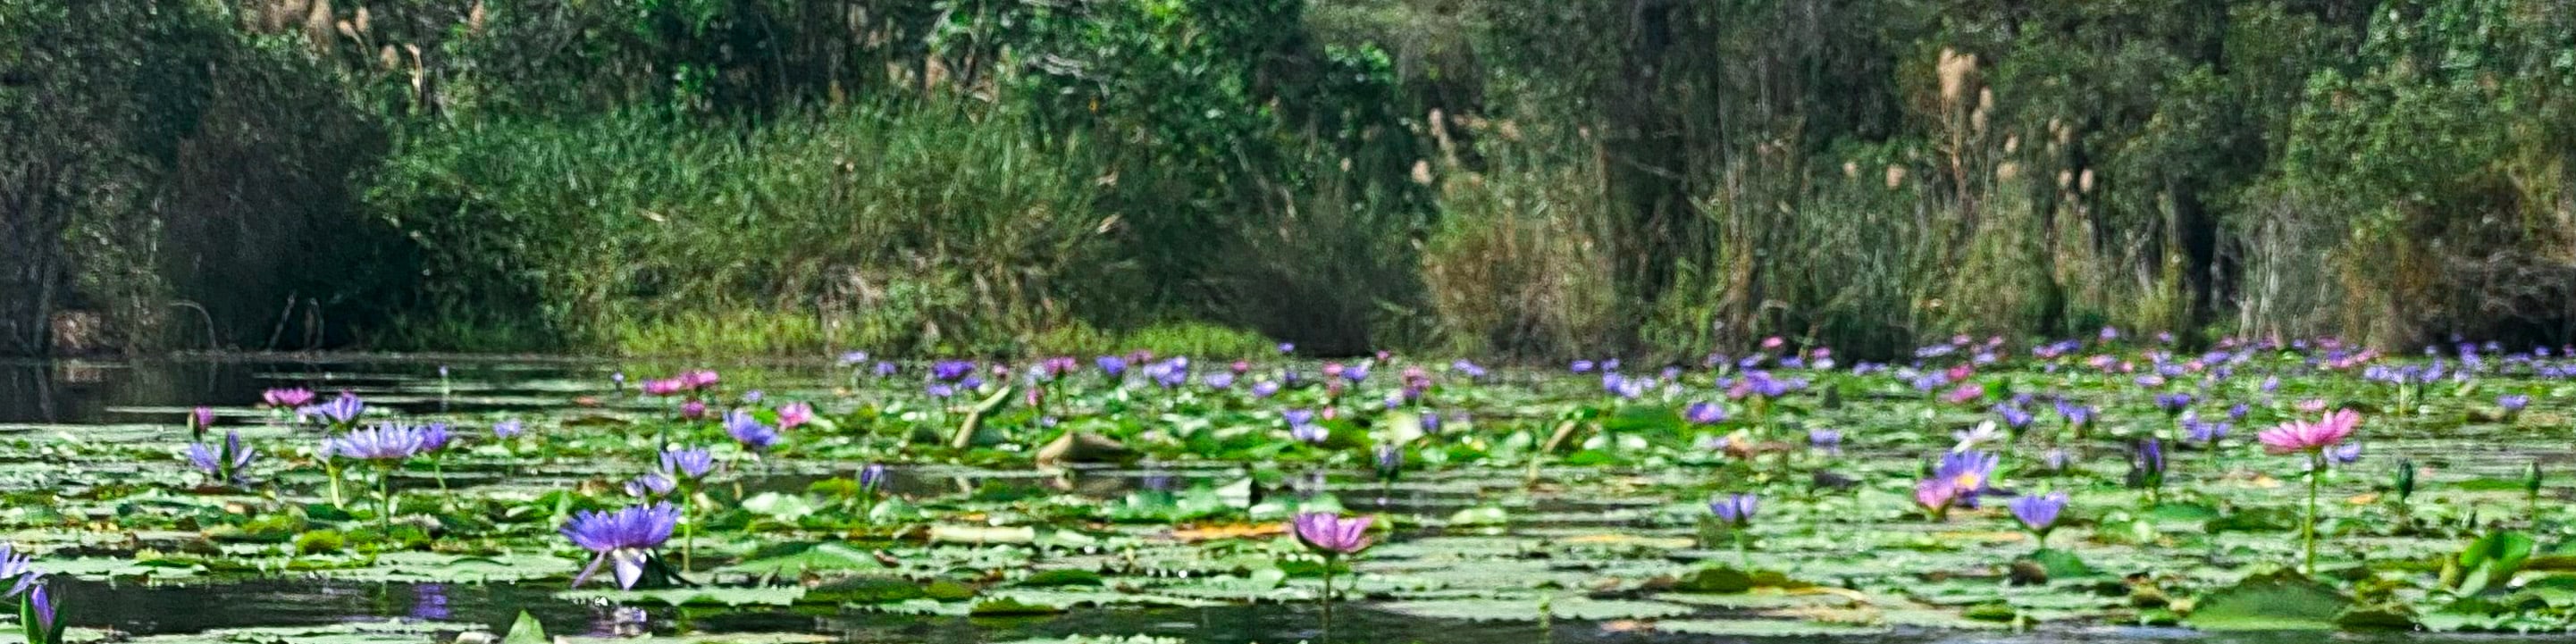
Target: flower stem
[
  {"x": 385, "y": 490},
  {"x": 2308, "y": 529},
  {"x": 1327, "y": 599},
  {"x": 688, "y": 528},
  {"x": 331, "y": 470}
]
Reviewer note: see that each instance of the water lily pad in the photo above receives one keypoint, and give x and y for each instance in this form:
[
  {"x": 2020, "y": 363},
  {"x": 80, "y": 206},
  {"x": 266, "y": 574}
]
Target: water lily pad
[
  {"x": 792, "y": 559},
  {"x": 2273, "y": 602},
  {"x": 1767, "y": 628},
  {"x": 714, "y": 596},
  {"x": 1528, "y": 608}
]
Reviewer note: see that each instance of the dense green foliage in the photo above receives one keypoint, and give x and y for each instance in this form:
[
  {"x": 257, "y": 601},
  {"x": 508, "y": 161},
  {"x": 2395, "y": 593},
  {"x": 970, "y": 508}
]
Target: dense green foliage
[{"x": 1517, "y": 177}]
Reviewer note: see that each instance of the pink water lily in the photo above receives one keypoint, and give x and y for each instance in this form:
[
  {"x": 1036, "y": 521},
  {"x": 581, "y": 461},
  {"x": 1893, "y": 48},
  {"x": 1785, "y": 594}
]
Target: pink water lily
[{"x": 2302, "y": 436}]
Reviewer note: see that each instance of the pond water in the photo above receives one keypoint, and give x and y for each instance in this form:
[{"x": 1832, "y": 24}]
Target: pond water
[{"x": 1594, "y": 533}]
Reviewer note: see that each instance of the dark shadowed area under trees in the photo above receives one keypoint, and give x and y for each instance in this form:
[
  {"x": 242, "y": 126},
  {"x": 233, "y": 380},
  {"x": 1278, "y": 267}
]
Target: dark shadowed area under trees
[{"x": 1510, "y": 178}]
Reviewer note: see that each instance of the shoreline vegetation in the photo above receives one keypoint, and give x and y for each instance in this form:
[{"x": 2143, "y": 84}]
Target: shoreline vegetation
[{"x": 1516, "y": 180}]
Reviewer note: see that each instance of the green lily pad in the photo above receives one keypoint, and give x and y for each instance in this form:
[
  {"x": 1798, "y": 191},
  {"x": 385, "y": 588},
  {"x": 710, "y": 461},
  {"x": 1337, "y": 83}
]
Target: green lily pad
[
  {"x": 1767, "y": 628},
  {"x": 715, "y": 596},
  {"x": 2274, "y": 602}
]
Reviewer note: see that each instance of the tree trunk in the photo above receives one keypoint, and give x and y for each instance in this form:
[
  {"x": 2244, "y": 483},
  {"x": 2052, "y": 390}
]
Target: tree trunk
[{"x": 31, "y": 232}]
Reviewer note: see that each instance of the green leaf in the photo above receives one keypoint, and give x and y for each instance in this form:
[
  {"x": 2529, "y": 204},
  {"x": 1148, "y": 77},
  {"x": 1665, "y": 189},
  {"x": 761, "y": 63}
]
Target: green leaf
[
  {"x": 800, "y": 558},
  {"x": 782, "y": 507},
  {"x": 2492, "y": 560},
  {"x": 1727, "y": 579},
  {"x": 2061, "y": 564},
  {"x": 1482, "y": 515},
  {"x": 527, "y": 630},
  {"x": 864, "y": 590},
  {"x": 2275, "y": 602},
  {"x": 1007, "y": 606},
  {"x": 1061, "y": 577}
]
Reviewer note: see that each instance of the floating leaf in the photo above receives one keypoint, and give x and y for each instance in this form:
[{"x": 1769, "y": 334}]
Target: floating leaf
[
  {"x": 1011, "y": 606},
  {"x": 2492, "y": 560},
  {"x": 704, "y": 596},
  {"x": 1766, "y": 628},
  {"x": 1061, "y": 577},
  {"x": 976, "y": 534},
  {"x": 526, "y": 631},
  {"x": 2273, "y": 602},
  {"x": 1482, "y": 515},
  {"x": 797, "y": 558}
]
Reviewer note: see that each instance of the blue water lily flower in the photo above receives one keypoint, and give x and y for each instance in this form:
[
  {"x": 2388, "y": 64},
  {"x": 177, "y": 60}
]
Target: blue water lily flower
[{"x": 624, "y": 539}]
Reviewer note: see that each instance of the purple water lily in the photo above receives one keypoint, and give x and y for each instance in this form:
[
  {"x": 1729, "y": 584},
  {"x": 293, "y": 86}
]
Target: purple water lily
[
  {"x": 951, "y": 370},
  {"x": 650, "y": 484},
  {"x": 508, "y": 428},
  {"x": 1331, "y": 534},
  {"x": 1113, "y": 365},
  {"x": 230, "y": 462},
  {"x": 2057, "y": 459},
  {"x": 1309, "y": 433},
  {"x": 1968, "y": 474},
  {"x": 1735, "y": 509},
  {"x": 624, "y": 539},
  {"x": 687, "y": 462},
  {"x": 2039, "y": 513},
  {"x": 2076, "y": 414},
  {"x": 19, "y": 566},
  {"x": 2513, "y": 403},
  {"x": 749, "y": 431},
  {"x": 1390, "y": 462},
  {"x": 1827, "y": 440},
  {"x": 2173, "y": 402},
  {"x": 341, "y": 411},
  {"x": 1265, "y": 389},
  {"x": 2014, "y": 417},
  {"x": 48, "y": 624},
  {"x": 433, "y": 437},
  {"x": 382, "y": 442},
  {"x": 1703, "y": 413},
  {"x": 872, "y": 478}
]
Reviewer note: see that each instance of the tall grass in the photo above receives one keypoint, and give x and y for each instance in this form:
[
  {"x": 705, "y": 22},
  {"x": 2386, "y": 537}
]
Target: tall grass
[
  {"x": 1524, "y": 260},
  {"x": 900, "y": 229}
]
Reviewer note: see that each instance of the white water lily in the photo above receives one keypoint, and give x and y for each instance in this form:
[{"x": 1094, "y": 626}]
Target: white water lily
[{"x": 1984, "y": 432}]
